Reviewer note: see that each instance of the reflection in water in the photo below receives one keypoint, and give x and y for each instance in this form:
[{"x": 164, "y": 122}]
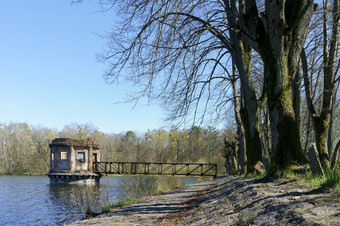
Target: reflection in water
[{"x": 76, "y": 201}]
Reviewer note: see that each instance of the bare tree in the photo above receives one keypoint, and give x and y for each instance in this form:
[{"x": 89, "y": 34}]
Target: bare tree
[
  {"x": 249, "y": 112},
  {"x": 242, "y": 157},
  {"x": 278, "y": 33},
  {"x": 321, "y": 117},
  {"x": 177, "y": 52}
]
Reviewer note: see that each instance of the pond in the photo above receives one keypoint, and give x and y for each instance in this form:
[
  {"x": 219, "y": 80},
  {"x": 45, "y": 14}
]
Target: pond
[{"x": 32, "y": 200}]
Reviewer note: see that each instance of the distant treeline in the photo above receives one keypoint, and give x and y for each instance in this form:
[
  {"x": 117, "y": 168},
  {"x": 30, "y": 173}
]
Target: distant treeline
[{"x": 24, "y": 149}]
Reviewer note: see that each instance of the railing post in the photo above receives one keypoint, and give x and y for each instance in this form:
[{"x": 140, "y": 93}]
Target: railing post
[
  {"x": 175, "y": 168},
  {"x": 161, "y": 168},
  {"x": 95, "y": 166},
  {"x": 187, "y": 169},
  {"x": 201, "y": 165}
]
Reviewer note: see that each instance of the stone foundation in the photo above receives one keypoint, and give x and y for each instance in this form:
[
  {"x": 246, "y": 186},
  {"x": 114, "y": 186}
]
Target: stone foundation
[{"x": 74, "y": 178}]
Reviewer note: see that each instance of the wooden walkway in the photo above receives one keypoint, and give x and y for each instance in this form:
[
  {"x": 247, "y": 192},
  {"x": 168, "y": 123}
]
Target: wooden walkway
[{"x": 182, "y": 169}]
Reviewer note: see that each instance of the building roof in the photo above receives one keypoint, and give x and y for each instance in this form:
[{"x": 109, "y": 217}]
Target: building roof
[{"x": 89, "y": 142}]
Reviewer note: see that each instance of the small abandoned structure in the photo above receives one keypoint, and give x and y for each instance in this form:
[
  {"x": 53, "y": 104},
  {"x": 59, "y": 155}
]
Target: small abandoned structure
[{"x": 72, "y": 161}]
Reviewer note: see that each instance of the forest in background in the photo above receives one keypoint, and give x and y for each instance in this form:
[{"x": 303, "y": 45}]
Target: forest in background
[{"x": 24, "y": 149}]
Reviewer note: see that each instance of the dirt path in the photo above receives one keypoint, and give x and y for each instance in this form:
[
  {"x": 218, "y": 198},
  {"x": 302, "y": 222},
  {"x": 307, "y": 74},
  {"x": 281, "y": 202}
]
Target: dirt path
[{"x": 230, "y": 200}]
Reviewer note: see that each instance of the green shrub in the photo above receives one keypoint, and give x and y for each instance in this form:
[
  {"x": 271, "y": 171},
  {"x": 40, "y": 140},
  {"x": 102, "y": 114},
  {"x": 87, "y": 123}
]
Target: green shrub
[{"x": 107, "y": 208}]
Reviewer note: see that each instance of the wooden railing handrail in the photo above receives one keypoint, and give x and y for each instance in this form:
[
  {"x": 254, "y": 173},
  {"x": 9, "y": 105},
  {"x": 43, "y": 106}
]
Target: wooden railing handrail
[{"x": 156, "y": 168}]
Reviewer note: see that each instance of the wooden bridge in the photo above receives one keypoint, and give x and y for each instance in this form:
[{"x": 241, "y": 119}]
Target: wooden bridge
[{"x": 143, "y": 168}]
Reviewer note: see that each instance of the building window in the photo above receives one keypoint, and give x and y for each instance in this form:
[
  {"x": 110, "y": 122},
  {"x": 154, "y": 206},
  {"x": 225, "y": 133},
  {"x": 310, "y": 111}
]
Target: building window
[
  {"x": 81, "y": 156},
  {"x": 52, "y": 156},
  {"x": 63, "y": 155}
]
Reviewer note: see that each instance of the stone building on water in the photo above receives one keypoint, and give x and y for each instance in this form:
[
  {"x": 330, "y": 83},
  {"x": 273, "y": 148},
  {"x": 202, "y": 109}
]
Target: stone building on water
[{"x": 72, "y": 161}]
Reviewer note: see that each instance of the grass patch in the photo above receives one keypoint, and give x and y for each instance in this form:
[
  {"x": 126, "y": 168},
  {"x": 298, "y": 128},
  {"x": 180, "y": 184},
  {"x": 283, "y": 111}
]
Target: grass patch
[
  {"x": 119, "y": 204},
  {"x": 301, "y": 175},
  {"x": 331, "y": 181},
  {"x": 256, "y": 176}
]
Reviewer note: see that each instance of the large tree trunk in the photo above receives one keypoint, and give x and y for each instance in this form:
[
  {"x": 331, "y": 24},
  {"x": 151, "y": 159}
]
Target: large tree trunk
[
  {"x": 249, "y": 113},
  {"x": 279, "y": 35},
  {"x": 286, "y": 144},
  {"x": 242, "y": 157}
]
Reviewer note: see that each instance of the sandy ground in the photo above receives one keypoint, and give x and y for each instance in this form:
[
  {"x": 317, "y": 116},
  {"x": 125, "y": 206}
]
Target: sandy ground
[{"x": 230, "y": 201}]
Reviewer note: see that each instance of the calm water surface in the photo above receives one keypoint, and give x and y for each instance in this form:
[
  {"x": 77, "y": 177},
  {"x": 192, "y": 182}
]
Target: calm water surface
[{"x": 31, "y": 200}]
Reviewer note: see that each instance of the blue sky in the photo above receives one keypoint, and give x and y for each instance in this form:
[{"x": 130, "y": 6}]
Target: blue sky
[{"x": 49, "y": 74}]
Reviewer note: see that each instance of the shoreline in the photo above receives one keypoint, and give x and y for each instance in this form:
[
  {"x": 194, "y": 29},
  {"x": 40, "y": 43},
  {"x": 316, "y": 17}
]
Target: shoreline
[{"x": 230, "y": 200}]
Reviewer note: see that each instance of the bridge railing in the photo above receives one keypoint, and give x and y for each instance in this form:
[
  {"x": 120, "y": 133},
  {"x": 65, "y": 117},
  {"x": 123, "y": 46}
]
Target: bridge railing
[{"x": 184, "y": 169}]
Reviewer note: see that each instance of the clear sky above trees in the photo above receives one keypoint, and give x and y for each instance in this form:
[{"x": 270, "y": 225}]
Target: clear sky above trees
[{"x": 49, "y": 74}]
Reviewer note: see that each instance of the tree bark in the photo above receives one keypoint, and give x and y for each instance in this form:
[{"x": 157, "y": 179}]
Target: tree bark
[
  {"x": 241, "y": 54},
  {"x": 278, "y": 36},
  {"x": 335, "y": 155},
  {"x": 297, "y": 97},
  {"x": 286, "y": 144},
  {"x": 242, "y": 157},
  {"x": 249, "y": 112}
]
